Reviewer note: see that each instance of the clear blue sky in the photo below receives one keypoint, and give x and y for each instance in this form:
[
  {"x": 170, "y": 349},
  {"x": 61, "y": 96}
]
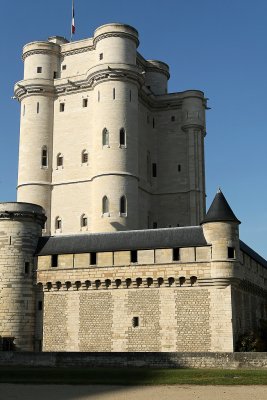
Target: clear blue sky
[{"x": 212, "y": 45}]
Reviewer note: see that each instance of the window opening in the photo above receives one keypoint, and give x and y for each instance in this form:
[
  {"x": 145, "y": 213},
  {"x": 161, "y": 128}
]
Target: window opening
[
  {"x": 64, "y": 67},
  {"x": 114, "y": 93},
  {"x": 60, "y": 160},
  {"x": 153, "y": 123},
  {"x": 27, "y": 267},
  {"x": 122, "y": 137},
  {"x": 105, "y": 205},
  {"x": 134, "y": 256},
  {"x": 93, "y": 258},
  {"x": 130, "y": 96},
  {"x": 84, "y": 157},
  {"x": 40, "y": 305},
  {"x": 123, "y": 205},
  {"x": 172, "y": 118},
  {"x": 231, "y": 252},
  {"x": 101, "y": 56},
  {"x": 84, "y": 221},
  {"x": 179, "y": 167},
  {"x": 54, "y": 260},
  {"x": 176, "y": 254},
  {"x": 55, "y": 75},
  {"x": 58, "y": 224},
  {"x": 135, "y": 322},
  {"x": 61, "y": 107},
  {"x": 39, "y": 70},
  {"x": 155, "y": 225},
  {"x": 44, "y": 157},
  {"x": 98, "y": 96},
  {"x": 154, "y": 170},
  {"x": 38, "y": 107},
  {"x": 85, "y": 103},
  {"x": 105, "y": 137}
]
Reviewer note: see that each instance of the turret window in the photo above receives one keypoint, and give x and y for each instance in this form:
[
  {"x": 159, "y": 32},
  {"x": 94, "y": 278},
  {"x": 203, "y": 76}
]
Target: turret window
[
  {"x": 44, "y": 161},
  {"x": 84, "y": 157},
  {"x": 105, "y": 137},
  {"x": 85, "y": 103},
  {"x": 39, "y": 70},
  {"x": 105, "y": 206},
  {"x": 101, "y": 56},
  {"x": 38, "y": 107},
  {"x": 114, "y": 93},
  {"x": 60, "y": 160},
  {"x": 58, "y": 223},
  {"x": 154, "y": 170},
  {"x": 122, "y": 138},
  {"x": 176, "y": 254},
  {"x": 84, "y": 221},
  {"x": 231, "y": 252},
  {"x": 61, "y": 107},
  {"x": 64, "y": 67},
  {"x": 123, "y": 206}
]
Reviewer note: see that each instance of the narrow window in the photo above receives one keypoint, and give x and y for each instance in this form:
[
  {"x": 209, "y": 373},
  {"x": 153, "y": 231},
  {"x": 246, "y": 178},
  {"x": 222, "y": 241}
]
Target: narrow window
[
  {"x": 61, "y": 107},
  {"x": 101, "y": 56},
  {"x": 105, "y": 137},
  {"x": 64, "y": 67},
  {"x": 59, "y": 160},
  {"x": 130, "y": 96},
  {"x": 147, "y": 119},
  {"x": 58, "y": 223},
  {"x": 153, "y": 122},
  {"x": 154, "y": 170},
  {"x": 38, "y": 107},
  {"x": 93, "y": 258},
  {"x": 155, "y": 225},
  {"x": 44, "y": 157},
  {"x": 54, "y": 260},
  {"x": 84, "y": 157},
  {"x": 84, "y": 221},
  {"x": 148, "y": 166},
  {"x": 122, "y": 137},
  {"x": 85, "y": 103},
  {"x": 135, "y": 322},
  {"x": 179, "y": 167},
  {"x": 176, "y": 254},
  {"x": 123, "y": 205},
  {"x": 98, "y": 96},
  {"x": 55, "y": 75},
  {"x": 114, "y": 94},
  {"x": 27, "y": 268},
  {"x": 172, "y": 118},
  {"x": 39, "y": 70},
  {"x": 134, "y": 256},
  {"x": 231, "y": 252},
  {"x": 24, "y": 109},
  {"x": 105, "y": 205},
  {"x": 40, "y": 305}
]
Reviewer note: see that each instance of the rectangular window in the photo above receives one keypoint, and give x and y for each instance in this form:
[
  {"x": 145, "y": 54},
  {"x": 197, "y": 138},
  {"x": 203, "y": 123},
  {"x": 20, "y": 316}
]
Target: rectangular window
[
  {"x": 155, "y": 225},
  {"x": 135, "y": 322},
  {"x": 62, "y": 107},
  {"x": 55, "y": 75},
  {"x": 64, "y": 67},
  {"x": 85, "y": 102},
  {"x": 92, "y": 258},
  {"x": 114, "y": 94},
  {"x": 231, "y": 252},
  {"x": 134, "y": 257},
  {"x": 176, "y": 254},
  {"x": 27, "y": 268},
  {"x": 153, "y": 123},
  {"x": 173, "y": 118},
  {"x": 179, "y": 167},
  {"x": 98, "y": 96},
  {"x": 101, "y": 56},
  {"x": 130, "y": 96},
  {"x": 154, "y": 170},
  {"x": 39, "y": 70},
  {"x": 40, "y": 305},
  {"x": 54, "y": 260},
  {"x": 38, "y": 108}
]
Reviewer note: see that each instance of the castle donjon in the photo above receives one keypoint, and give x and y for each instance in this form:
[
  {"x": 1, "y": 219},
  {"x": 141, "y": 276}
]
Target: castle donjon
[{"x": 109, "y": 246}]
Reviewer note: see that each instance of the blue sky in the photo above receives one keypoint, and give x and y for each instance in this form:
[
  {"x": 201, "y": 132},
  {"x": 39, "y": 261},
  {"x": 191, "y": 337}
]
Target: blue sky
[{"x": 215, "y": 46}]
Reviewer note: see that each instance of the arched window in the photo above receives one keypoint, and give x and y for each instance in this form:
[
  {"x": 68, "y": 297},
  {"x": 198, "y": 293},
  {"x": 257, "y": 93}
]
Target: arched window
[
  {"x": 122, "y": 137},
  {"x": 58, "y": 223},
  {"x": 105, "y": 205},
  {"x": 84, "y": 157},
  {"x": 105, "y": 137},
  {"x": 44, "y": 157},
  {"x": 123, "y": 206},
  {"x": 60, "y": 160},
  {"x": 84, "y": 221}
]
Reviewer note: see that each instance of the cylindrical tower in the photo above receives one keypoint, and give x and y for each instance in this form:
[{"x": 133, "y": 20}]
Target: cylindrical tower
[
  {"x": 20, "y": 228},
  {"x": 156, "y": 77},
  {"x": 36, "y": 94},
  {"x": 115, "y": 139},
  {"x": 193, "y": 124}
]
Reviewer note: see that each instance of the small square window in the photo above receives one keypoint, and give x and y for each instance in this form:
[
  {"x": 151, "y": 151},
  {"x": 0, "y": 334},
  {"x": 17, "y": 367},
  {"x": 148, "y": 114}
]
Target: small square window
[
  {"x": 101, "y": 56},
  {"x": 64, "y": 67},
  {"x": 62, "y": 107},
  {"x": 172, "y": 118},
  {"x": 85, "y": 102},
  {"x": 39, "y": 70},
  {"x": 135, "y": 322}
]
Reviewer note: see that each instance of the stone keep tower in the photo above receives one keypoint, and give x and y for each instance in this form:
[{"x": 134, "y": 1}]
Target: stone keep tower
[
  {"x": 103, "y": 145},
  {"x": 20, "y": 227}
]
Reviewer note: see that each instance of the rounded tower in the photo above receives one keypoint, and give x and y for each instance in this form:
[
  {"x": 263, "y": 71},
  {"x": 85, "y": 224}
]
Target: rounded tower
[
  {"x": 115, "y": 139},
  {"x": 194, "y": 126},
  {"x": 20, "y": 227},
  {"x": 157, "y": 76},
  {"x": 36, "y": 95}
]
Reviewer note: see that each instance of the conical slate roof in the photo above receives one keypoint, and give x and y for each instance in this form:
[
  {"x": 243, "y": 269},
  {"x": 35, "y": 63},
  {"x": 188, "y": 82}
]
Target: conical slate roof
[{"x": 220, "y": 210}]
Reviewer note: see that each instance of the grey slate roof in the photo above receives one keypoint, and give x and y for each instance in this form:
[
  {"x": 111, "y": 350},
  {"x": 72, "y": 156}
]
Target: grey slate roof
[
  {"x": 246, "y": 249},
  {"x": 124, "y": 240},
  {"x": 220, "y": 210}
]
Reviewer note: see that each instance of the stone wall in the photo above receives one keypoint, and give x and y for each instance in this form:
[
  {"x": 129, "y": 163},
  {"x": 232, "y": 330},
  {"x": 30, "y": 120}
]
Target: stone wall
[{"x": 141, "y": 360}]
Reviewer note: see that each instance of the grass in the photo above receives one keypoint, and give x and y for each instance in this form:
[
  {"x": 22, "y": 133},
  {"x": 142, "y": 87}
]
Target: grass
[{"x": 131, "y": 376}]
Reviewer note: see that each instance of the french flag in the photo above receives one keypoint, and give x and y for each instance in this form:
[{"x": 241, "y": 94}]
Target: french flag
[{"x": 72, "y": 20}]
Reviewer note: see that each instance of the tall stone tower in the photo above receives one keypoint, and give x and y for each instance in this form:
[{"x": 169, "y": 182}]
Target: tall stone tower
[
  {"x": 20, "y": 227},
  {"x": 103, "y": 145}
]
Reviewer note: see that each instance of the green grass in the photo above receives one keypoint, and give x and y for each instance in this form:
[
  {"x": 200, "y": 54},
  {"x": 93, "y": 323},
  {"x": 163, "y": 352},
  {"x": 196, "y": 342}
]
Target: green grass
[{"x": 131, "y": 376}]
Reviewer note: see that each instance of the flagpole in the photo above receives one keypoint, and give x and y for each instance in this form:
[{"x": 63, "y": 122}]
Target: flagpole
[{"x": 72, "y": 29}]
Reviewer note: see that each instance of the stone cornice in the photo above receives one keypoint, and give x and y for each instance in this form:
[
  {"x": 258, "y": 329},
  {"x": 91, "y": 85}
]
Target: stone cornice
[
  {"x": 38, "y": 51},
  {"x": 23, "y": 216},
  {"x": 116, "y": 34}
]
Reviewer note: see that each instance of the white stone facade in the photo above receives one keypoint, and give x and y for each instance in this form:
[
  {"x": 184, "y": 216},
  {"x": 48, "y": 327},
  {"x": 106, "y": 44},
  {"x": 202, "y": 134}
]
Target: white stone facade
[{"x": 154, "y": 152}]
